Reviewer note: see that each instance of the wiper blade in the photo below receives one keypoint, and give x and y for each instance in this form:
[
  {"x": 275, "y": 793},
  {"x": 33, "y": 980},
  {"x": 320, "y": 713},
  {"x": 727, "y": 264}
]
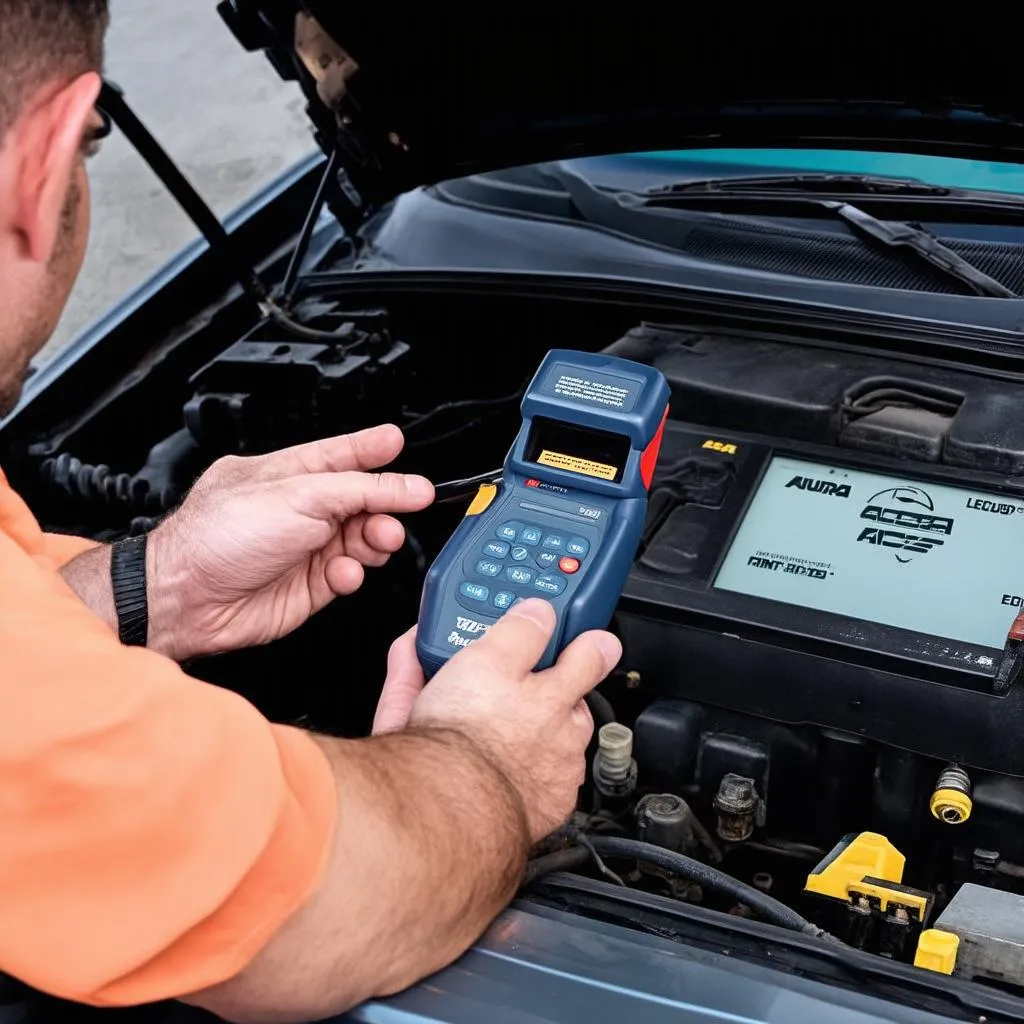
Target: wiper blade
[
  {"x": 867, "y": 184},
  {"x": 632, "y": 213},
  {"x": 898, "y": 235},
  {"x": 800, "y": 188}
]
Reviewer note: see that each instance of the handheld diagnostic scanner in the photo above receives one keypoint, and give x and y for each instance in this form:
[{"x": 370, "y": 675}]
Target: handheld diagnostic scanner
[{"x": 564, "y": 521}]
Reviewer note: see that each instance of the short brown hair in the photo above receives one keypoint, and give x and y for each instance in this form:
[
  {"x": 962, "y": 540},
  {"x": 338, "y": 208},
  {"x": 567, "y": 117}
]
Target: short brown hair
[{"x": 43, "y": 41}]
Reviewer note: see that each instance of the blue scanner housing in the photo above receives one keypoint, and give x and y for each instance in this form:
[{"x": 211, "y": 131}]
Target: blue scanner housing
[{"x": 564, "y": 521}]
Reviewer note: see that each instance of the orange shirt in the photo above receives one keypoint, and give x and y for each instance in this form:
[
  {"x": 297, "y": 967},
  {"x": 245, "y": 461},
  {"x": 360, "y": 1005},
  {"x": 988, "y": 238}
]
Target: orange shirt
[{"x": 155, "y": 831}]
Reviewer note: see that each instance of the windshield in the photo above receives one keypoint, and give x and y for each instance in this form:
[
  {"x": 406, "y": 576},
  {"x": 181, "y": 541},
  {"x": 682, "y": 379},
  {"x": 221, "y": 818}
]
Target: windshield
[
  {"x": 811, "y": 222},
  {"x": 904, "y": 234},
  {"x": 949, "y": 172}
]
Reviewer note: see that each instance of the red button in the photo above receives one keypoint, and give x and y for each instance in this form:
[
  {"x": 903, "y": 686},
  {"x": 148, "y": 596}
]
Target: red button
[{"x": 568, "y": 565}]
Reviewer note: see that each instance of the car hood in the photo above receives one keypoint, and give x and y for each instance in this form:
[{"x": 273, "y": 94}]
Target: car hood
[{"x": 432, "y": 93}]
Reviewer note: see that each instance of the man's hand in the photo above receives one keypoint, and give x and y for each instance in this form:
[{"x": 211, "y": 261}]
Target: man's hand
[
  {"x": 533, "y": 726},
  {"x": 261, "y": 543},
  {"x": 435, "y": 820},
  {"x": 264, "y": 542}
]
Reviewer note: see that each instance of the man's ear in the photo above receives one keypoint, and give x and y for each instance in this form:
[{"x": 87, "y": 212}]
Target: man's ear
[{"x": 50, "y": 144}]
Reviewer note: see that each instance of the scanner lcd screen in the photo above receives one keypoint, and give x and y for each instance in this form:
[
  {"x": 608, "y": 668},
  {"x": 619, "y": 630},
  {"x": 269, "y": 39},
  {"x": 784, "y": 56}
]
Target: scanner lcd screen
[{"x": 593, "y": 453}]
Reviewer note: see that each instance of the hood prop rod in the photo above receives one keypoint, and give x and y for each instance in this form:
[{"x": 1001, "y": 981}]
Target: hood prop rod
[
  {"x": 112, "y": 103},
  {"x": 291, "y": 275}
]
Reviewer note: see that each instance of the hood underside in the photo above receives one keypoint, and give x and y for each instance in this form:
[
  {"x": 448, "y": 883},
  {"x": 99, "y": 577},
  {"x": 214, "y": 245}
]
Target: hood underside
[{"x": 415, "y": 95}]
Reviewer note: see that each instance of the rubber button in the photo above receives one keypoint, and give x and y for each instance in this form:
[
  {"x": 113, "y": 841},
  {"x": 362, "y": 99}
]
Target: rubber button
[
  {"x": 503, "y": 599},
  {"x": 578, "y": 546},
  {"x": 496, "y": 548},
  {"x": 520, "y": 554},
  {"x": 508, "y": 531},
  {"x": 546, "y": 559},
  {"x": 482, "y": 501},
  {"x": 517, "y": 574},
  {"x": 553, "y": 542},
  {"x": 550, "y": 584},
  {"x": 474, "y": 591},
  {"x": 530, "y": 536},
  {"x": 568, "y": 565},
  {"x": 486, "y": 568}
]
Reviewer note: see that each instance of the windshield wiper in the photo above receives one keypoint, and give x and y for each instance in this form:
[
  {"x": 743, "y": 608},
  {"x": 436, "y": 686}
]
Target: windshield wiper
[
  {"x": 898, "y": 235},
  {"x": 800, "y": 189},
  {"x": 642, "y": 215},
  {"x": 863, "y": 184}
]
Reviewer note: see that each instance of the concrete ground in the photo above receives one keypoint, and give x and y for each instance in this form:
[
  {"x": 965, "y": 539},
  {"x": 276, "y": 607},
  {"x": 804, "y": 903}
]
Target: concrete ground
[{"x": 222, "y": 113}]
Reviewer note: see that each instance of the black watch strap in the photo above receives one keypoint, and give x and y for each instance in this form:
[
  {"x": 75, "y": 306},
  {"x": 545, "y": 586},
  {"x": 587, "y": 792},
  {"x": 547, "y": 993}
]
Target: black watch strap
[{"x": 128, "y": 580}]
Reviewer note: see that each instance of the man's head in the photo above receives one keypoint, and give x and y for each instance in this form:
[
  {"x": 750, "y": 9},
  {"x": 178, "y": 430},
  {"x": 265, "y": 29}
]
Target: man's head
[{"x": 51, "y": 53}]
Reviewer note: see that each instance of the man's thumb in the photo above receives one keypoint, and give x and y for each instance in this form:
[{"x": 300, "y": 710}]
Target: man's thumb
[{"x": 517, "y": 640}]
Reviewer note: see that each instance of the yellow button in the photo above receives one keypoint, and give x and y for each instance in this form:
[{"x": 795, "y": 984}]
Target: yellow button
[
  {"x": 936, "y": 951},
  {"x": 482, "y": 502}
]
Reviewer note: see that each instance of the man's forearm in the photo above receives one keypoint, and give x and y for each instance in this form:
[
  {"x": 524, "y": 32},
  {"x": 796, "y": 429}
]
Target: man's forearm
[
  {"x": 430, "y": 846},
  {"x": 88, "y": 575}
]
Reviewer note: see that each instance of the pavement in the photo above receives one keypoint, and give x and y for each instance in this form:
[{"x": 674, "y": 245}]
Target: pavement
[{"x": 223, "y": 114}]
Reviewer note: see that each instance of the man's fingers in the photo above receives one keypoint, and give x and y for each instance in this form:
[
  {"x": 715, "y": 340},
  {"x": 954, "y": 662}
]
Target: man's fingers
[
  {"x": 517, "y": 640},
  {"x": 584, "y": 663},
  {"x": 344, "y": 575},
  {"x": 372, "y": 539},
  {"x": 341, "y": 495},
  {"x": 384, "y": 533},
  {"x": 402, "y": 687},
  {"x": 366, "y": 449}
]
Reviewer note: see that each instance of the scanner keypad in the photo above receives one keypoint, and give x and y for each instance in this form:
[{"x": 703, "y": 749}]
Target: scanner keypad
[{"x": 521, "y": 560}]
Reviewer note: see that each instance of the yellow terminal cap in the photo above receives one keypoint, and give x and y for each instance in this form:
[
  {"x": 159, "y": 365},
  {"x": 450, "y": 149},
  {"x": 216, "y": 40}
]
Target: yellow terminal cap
[
  {"x": 936, "y": 951},
  {"x": 482, "y": 501},
  {"x": 951, "y": 806}
]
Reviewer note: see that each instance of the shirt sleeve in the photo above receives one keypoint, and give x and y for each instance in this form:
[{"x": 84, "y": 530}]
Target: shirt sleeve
[
  {"x": 156, "y": 830},
  {"x": 61, "y": 548},
  {"x": 17, "y": 522}
]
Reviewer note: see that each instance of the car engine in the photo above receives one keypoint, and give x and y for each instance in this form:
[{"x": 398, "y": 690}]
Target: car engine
[{"x": 819, "y": 697}]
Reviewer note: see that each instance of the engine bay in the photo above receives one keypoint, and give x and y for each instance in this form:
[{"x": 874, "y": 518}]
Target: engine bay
[{"x": 819, "y": 692}]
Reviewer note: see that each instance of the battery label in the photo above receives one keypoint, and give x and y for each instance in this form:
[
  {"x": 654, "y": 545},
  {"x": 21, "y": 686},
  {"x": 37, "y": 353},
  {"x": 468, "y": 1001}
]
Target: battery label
[{"x": 574, "y": 464}]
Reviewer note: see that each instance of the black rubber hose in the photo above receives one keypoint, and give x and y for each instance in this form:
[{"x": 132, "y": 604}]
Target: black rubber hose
[
  {"x": 770, "y": 909},
  {"x": 82, "y": 481},
  {"x": 601, "y": 709},
  {"x": 561, "y": 860}
]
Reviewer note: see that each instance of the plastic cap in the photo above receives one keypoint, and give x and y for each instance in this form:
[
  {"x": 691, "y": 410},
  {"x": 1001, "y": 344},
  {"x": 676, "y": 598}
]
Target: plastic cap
[
  {"x": 937, "y": 950},
  {"x": 615, "y": 741}
]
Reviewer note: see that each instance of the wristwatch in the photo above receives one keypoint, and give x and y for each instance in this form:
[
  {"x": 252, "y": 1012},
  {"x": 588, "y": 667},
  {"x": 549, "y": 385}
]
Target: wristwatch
[{"x": 128, "y": 581}]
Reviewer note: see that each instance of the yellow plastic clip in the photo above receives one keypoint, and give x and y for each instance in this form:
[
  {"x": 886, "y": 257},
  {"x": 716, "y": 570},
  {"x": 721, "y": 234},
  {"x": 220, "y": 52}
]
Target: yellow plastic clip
[
  {"x": 868, "y": 855},
  {"x": 936, "y": 951},
  {"x": 869, "y": 866},
  {"x": 482, "y": 501}
]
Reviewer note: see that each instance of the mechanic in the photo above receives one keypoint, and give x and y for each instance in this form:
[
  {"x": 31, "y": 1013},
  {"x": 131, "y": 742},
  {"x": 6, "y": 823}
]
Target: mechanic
[{"x": 161, "y": 838}]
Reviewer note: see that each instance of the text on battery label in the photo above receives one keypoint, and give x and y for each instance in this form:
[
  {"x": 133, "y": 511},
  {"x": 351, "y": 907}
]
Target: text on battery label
[{"x": 591, "y": 390}]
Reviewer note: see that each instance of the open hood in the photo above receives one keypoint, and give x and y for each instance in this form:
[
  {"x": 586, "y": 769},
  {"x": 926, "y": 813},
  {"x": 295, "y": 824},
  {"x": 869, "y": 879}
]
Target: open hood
[{"x": 417, "y": 94}]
